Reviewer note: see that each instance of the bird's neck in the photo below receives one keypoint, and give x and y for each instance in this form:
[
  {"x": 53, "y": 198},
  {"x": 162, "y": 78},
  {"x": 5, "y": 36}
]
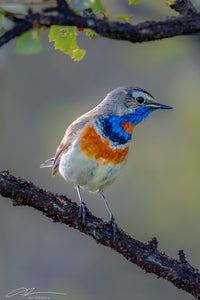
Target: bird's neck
[{"x": 119, "y": 129}]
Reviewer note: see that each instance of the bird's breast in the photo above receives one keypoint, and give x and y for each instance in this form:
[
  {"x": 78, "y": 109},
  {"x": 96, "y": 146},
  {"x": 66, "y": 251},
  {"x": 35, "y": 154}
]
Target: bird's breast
[
  {"x": 94, "y": 145},
  {"x": 117, "y": 129}
]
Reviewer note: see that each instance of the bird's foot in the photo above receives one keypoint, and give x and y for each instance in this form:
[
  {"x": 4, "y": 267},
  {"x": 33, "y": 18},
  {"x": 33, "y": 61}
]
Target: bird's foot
[
  {"x": 82, "y": 213},
  {"x": 115, "y": 227}
]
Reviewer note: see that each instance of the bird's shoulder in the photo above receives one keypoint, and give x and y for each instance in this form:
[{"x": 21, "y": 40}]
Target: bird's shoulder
[{"x": 74, "y": 130}]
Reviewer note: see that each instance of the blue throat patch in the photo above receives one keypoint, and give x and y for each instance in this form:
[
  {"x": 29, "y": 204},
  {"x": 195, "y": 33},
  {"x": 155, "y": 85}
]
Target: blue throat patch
[{"x": 112, "y": 125}]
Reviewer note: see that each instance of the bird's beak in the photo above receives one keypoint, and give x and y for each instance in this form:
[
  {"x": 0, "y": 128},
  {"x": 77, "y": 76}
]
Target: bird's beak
[{"x": 158, "y": 105}]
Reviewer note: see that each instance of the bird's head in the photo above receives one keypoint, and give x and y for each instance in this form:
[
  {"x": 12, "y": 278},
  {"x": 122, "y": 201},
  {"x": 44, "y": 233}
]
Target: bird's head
[
  {"x": 134, "y": 100},
  {"x": 137, "y": 98}
]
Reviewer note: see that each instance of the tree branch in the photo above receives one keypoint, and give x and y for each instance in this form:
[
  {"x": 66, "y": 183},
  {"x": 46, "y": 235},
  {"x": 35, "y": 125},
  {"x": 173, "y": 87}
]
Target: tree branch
[
  {"x": 145, "y": 255},
  {"x": 188, "y": 23},
  {"x": 184, "y": 7}
]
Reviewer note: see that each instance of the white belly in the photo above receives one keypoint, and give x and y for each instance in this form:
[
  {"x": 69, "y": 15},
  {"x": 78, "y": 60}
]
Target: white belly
[{"x": 87, "y": 172}]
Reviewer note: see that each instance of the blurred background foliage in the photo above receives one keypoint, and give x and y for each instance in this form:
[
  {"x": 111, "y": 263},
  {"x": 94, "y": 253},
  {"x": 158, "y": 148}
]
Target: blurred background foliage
[{"x": 158, "y": 191}]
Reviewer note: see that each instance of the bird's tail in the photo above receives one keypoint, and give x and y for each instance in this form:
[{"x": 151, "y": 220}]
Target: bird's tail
[{"x": 48, "y": 163}]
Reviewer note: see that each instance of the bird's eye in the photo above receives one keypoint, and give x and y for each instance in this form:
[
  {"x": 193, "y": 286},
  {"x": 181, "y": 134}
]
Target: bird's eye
[{"x": 140, "y": 100}]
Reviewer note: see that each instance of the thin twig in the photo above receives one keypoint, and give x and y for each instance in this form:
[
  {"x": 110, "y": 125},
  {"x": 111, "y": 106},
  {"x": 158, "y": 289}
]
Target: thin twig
[{"x": 184, "y": 7}]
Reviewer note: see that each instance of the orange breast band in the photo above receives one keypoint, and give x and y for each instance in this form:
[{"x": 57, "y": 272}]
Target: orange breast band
[
  {"x": 128, "y": 127},
  {"x": 95, "y": 147}
]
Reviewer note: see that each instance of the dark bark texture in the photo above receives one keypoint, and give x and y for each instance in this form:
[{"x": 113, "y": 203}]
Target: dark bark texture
[
  {"x": 187, "y": 23},
  {"x": 145, "y": 255}
]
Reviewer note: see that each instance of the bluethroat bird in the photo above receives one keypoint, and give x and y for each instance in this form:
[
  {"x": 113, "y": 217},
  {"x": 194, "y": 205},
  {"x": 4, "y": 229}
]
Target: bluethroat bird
[{"x": 95, "y": 147}]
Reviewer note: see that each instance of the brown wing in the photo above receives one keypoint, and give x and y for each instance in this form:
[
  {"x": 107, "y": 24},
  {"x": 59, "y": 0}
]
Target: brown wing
[
  {"x": 71, "y": 134},
  {"x": 64, "y": 145}
]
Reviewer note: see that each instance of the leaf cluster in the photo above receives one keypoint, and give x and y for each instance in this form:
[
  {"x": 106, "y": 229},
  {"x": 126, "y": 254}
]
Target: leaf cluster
[{"x": 64, "y": 37}]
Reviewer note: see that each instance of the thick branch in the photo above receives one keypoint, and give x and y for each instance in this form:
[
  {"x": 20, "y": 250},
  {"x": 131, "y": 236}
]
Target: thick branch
[
  {"x": 145, "y": 255},
  {"x": 142, "y": 32}
]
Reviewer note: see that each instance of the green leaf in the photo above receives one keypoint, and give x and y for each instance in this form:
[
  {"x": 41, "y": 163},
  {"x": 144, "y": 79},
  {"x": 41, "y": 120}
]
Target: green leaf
[
  {"x": 133, "y": 2},
  {"x": 97, "y": 6},
  {"x": 15, "y": 8},
  {"x": 2, "y": 29},
  {"x": 77, "y": 54},
  {"x": 29, "y": 42},
  {"x": 170, "y": 2},
  {"x": 123, "y": 17},
  {"x": 64, "y": 38},
  {"x": 1, "y": 20},
  {"x": 91, "y": 34}
]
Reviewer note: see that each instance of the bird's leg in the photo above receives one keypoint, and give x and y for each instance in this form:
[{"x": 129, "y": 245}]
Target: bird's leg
[
  {"x": 112, "y": 219},
  {"x": 82, "y": 209}
]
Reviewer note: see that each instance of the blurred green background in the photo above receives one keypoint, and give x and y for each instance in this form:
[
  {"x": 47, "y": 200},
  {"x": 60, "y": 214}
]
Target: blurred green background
[{"x": 158, "y": 191}]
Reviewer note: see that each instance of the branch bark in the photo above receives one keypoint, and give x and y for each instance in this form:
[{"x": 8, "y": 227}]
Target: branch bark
[
  {"x": 145, "y": 255},
  {"x": 184, "y": 7},
  {"x": 186, "y": 24}
]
